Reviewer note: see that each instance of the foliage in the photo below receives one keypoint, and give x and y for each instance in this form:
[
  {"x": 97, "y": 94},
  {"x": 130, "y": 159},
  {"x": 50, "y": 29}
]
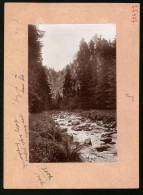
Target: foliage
[
  {"x": 89, "y": 82},
  {"x": 106, "y": 116},
  {"x": 91, "y": 78},
  {"x": 38, "y": 85},
  {"x": 48, "y": 143}
]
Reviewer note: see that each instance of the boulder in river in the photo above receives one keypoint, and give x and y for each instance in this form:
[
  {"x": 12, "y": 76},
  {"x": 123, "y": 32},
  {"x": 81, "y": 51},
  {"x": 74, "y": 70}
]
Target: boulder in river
[
  {"x": 82, "y": 120},
  {"x": 75, "y": 122},
  {"x": 88, "y": 141},
  {"x": 74, "y": 128},
  {"x": 87, "y": 129},
  {"x": 82, "y": 126},
  {"x": 93, "y": 126},
  {"x": 107, "y": 134},
  {"x": 106, "y": 140},
  {"x": 88, "y": 124},
  {"x": 63, "y": 129},
  {"x": 102, "y": 148},
  {"x": 62, "y": 124},
  {"x": 100, "y": 123},
  {"x": 112, "y": 142},
  {"x": 61, "y": 117},
  {"x": 79, "y": 129}
]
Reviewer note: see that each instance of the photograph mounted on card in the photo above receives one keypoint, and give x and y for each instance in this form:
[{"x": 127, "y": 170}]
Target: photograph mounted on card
[
  {"x": 72, "y": 99},
  {"x": 71, "y": 95}
]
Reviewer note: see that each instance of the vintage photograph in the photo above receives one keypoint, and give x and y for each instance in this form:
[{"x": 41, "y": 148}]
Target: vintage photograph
[{"x": 72, "y": 93}]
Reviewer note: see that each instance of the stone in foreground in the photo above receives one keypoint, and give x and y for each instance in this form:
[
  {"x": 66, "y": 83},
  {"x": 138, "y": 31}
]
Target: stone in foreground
[
  {"x": 88, "y": 141},
  {"x": 102, "y": 148},
  {"x": 75, "y": 122},
  {"x": 63, "y": 129},
  {"x": 106, "y": 140}
]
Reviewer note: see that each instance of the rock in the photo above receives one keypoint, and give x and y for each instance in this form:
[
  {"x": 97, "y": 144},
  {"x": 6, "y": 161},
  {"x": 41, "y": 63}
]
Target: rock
[
  {"x": 88, "y": 124},
  {"x": 69, "y": 124},
  {"x": 100, "y": 123},
  {"x": 93, "y": 126},
  {"x": 61, "y": 117},
  {"x": 74, "y": 128},
  {"x": 63, "y": 129},
  {"x": 79, "y": 129},
  {"x": 87, "y": 129},
  {"x": 75, "y": 122},
  {"x": 102, "y": 148},
  {"x": 107, "y": 134},
  {"x": 82, "y": 126},
  {"x": 70, "y": 138},
  {"x": 104, "y": 134},
  {"x": 69, "y": 121},
  {"x": 102, "y": 143},
  {"x": 62, "y": 124},
  {"x": 88, "y": 141},
  {"x": 107, "y": 130},
  {"x": 99, "y": 127},
  {"x": 95, "y": 131},
  {"x": 106, "y": 140},
  {"x": 112, "y": 142}
]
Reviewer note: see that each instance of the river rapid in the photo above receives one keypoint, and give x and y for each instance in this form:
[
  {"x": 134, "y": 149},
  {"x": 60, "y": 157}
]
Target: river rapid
[{"x": 99, "y": 141}]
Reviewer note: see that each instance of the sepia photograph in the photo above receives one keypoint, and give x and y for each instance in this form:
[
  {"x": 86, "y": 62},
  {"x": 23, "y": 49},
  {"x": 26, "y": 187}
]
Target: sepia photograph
[{"x": 72, "y": 93}]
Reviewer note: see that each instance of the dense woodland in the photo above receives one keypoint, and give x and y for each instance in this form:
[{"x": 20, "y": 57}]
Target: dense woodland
[{"x": 89, "y": 82}]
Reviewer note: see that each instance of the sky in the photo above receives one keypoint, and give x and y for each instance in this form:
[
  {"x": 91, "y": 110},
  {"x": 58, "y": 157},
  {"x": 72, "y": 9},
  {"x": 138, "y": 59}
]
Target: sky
[{"x": 61, "y": 41}]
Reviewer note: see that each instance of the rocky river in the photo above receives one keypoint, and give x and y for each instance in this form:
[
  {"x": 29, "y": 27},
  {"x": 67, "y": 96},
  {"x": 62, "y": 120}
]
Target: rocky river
[{"x": 98, "y": 140}]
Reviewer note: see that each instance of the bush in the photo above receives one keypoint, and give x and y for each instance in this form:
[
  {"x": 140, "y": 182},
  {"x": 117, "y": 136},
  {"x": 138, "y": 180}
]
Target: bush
[
  {"x": 106, "y": 116},
  {"x": 47, "y": 143}
]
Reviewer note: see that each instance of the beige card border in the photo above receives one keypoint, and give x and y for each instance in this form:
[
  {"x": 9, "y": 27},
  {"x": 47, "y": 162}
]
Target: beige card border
[{"x": 121, "y": 174}]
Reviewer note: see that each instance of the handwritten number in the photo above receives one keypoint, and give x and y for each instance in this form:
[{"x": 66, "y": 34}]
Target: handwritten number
[
  {"x": 132, "y": 97},
  {"x": 19, "y": 91},
  {"x": 134, "y": 10}
]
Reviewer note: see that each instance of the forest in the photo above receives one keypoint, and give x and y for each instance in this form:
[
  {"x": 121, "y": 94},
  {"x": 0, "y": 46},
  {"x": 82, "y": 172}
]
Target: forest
[
  {"x": 72, "y": 112},
  {"x": 89, "y": 82}
]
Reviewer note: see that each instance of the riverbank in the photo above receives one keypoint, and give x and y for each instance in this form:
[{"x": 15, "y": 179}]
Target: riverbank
[
  {"x": 106, "y": 117},
  {"x": 48, "y": 143},
  {"x": 98, "y": 138},
  {"x": 63, "y": 136}
]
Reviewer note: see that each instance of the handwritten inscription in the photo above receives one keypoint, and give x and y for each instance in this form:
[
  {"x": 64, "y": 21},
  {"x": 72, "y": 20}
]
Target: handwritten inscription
[
  {"x": 20, "y": 153},
  {"x": 19, "y": 29},
  {"x": 46, "y": 172},
  {"x": 38, "y": 176},
  {"x": 134, "y": 13},
  {"x": 18, "y": 88},
  {"x": 42, "y": 175},
  {"x": 129, "y": 96},
  {"x": 19, "y": 22},
  {"x": 24, "y": 125},
  {"x": 21, "y": 132}
]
